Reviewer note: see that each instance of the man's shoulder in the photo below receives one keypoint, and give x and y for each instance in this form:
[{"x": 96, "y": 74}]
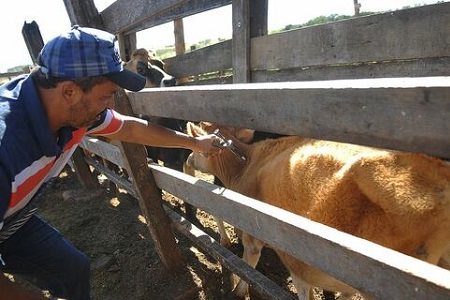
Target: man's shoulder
[{"x": 11, "y": 89}]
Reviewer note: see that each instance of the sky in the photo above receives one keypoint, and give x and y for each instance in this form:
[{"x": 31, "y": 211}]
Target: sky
[{"x": 53, "y": 21}]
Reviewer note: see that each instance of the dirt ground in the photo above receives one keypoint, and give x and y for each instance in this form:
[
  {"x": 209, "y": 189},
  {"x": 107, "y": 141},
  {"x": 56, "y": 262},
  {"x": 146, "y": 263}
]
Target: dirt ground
[{"x": 108, "y": 226}]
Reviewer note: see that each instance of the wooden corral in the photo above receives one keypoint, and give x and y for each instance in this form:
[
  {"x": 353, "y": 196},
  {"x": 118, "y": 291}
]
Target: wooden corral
[{"x": 378, "y": 80}]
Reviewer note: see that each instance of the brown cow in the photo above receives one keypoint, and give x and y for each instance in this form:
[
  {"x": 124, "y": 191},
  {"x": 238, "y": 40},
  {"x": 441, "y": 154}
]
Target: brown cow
[{"x": 396, "y": 199}]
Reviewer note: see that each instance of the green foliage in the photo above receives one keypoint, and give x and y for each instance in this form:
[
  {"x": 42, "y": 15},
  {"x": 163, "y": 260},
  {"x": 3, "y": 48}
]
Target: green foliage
[
  {"x": 166, "y": 52},
  {"x": 317, "y": 21}
]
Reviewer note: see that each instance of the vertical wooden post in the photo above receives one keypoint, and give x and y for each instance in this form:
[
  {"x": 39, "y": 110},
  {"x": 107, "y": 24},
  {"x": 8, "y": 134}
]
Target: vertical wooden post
[
  {"x": 84, "y": 13},
  {"x": 357, "y": 7},
  {"x": 149, "y": 196},
  {"x": 258, "y": 17},
  {"x": 127, "y": 44},
  {"x": 249, "y": 20},
  {"x": 33, "y": 39},
  {"x": 241, "y": 41},
  {"x": 180, "y": 45},
  {"x": 83, "y": 171},
  {"x": 178, "y": 30}
]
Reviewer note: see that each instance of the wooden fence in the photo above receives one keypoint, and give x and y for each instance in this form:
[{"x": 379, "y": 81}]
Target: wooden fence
[{"x": 377, "y": 80}]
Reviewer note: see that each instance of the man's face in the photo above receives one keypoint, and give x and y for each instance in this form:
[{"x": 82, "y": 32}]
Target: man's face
[{"x": 87, "y": 110}]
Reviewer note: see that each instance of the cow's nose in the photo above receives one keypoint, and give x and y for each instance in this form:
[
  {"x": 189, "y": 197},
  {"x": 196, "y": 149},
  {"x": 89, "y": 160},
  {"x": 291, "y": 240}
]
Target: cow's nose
[{"x": 170, "y": 82}]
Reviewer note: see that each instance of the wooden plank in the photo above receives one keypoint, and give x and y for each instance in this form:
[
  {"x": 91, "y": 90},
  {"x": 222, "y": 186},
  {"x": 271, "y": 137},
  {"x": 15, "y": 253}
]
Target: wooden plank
[
  {"x": 122, "y": 15},
  {"x": 83, "y": 13},
  {"x": 390, "y": 69},
  {"x": 241, "y": 41},
  {"x": 149, "y": 196},
  {"x": 103, "y": 149},
  {"x": 261, "y": 284},
  {"x": 259, "y": 10},
  {"x": 180, "y": 45},
  {"x": 33, "y": 39},
  {"x": 122, "y": 182},
  {"x": 127, "y": 44},
  {"x": 377, "y": 271},
  {"x": 409, "y": 114},
  {"x": 402, "y": 34},
  {"x": 178, "y": 28},
  {"x": 82, "y": 170},
  {"x": 209, "y": 59}
]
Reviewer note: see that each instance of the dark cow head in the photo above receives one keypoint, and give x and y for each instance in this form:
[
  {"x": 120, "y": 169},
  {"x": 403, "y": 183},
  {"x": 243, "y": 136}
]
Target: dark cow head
[
  {"x": 156, "y": 77},
  {"x": 147, "y": 65}
]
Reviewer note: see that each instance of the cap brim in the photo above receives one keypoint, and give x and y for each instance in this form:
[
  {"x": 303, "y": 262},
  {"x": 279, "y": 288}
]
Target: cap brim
[{"x": 128, "y": 80}]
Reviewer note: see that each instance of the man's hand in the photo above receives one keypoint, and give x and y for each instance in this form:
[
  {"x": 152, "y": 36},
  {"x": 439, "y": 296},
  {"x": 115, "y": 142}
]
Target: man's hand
[{"x": 207, "y": 144}]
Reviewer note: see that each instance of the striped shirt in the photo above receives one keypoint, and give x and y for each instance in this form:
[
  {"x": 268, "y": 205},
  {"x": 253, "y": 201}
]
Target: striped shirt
[{"x": 29, "y": 153}]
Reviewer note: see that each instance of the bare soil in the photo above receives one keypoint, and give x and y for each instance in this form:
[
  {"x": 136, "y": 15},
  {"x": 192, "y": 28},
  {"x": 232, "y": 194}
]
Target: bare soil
[{"x": 109, "y": 227}]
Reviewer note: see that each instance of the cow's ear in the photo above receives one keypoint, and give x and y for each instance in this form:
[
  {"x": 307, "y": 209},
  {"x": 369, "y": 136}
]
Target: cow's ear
[
  {"x": 245, "y": 135},
  {"x": 205, "y": 125},
  {"x": 194, "y": 130}
]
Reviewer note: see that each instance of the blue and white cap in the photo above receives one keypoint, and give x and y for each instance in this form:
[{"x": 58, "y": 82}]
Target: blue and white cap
[{"x": 84, "y": 52}]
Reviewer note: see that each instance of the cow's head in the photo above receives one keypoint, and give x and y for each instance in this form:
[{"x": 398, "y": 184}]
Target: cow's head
[
  {"x": 213, "y": 164},
  {"x": 146, "y": 64}
]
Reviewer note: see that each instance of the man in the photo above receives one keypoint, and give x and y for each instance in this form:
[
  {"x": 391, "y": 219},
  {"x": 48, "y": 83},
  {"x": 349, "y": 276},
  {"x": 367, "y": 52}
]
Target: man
[{"x": 43, "y": 118}]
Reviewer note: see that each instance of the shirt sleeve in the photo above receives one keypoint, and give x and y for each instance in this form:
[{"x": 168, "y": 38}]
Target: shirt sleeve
[{"x": 110, "y": 122}]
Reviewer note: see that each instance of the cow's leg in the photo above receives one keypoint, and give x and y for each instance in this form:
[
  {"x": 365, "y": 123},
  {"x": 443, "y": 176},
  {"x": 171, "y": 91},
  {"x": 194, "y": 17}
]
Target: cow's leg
[
  {"x": 304, "y": 290},
  {"x": 251, "y": 255},
  {"x": 224, "y": 238},
  {"x": 191, "y": 211}
]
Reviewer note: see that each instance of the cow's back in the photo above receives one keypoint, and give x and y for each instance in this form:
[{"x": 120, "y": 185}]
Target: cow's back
[{"x": 399, "y": 200}]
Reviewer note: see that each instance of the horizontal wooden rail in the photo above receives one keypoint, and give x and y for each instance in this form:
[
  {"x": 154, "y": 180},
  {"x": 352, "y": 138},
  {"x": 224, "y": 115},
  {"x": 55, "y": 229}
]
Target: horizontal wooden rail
[
  {"x": 111, "y": 175},
  {"x": 353, "y": 260},
  {"x": 122, "y": 15},
  {"x": 106, "y": 150},
  {"x": 409, "y": 114},
  {"x": 261, "y": 284}
]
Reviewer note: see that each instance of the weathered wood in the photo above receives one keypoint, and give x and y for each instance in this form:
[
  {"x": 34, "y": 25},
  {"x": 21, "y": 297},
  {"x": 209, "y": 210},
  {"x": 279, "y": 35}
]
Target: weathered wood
[
  {"x": 356, "y": 261},
  {"x": 33, "y": 39},
  {"x": 149, "y": 196},
  {"x": 389, "y": 69},
  {"x": 122, "y": 15},
  {"x": 399, "y": 35},
  {"x": 261, "y": 284},
  {"x": 409, "y": 114},
  {"x": 241, "y": 41},
  {"x": 83, "y": 13},
  {"x": 111, "y": 175},
  {"x": 180, "y": 45},
  {"x": 343, "y": 46},
  {"x": 209, "y": 59},
  {"x": 127, "y": 44},
  {"x": 103, "y": 149},
  {"x": 83, "y": 171},
  {"x": 259, "y": 10}
]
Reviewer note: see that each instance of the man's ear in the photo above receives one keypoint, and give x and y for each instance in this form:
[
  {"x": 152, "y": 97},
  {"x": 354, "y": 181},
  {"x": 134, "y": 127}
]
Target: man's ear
[{"x": 70, "y": 91}]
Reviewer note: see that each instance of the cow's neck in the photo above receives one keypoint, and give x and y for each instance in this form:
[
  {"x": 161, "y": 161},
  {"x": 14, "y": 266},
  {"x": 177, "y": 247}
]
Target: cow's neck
[{"x": 229, "y": 168}]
